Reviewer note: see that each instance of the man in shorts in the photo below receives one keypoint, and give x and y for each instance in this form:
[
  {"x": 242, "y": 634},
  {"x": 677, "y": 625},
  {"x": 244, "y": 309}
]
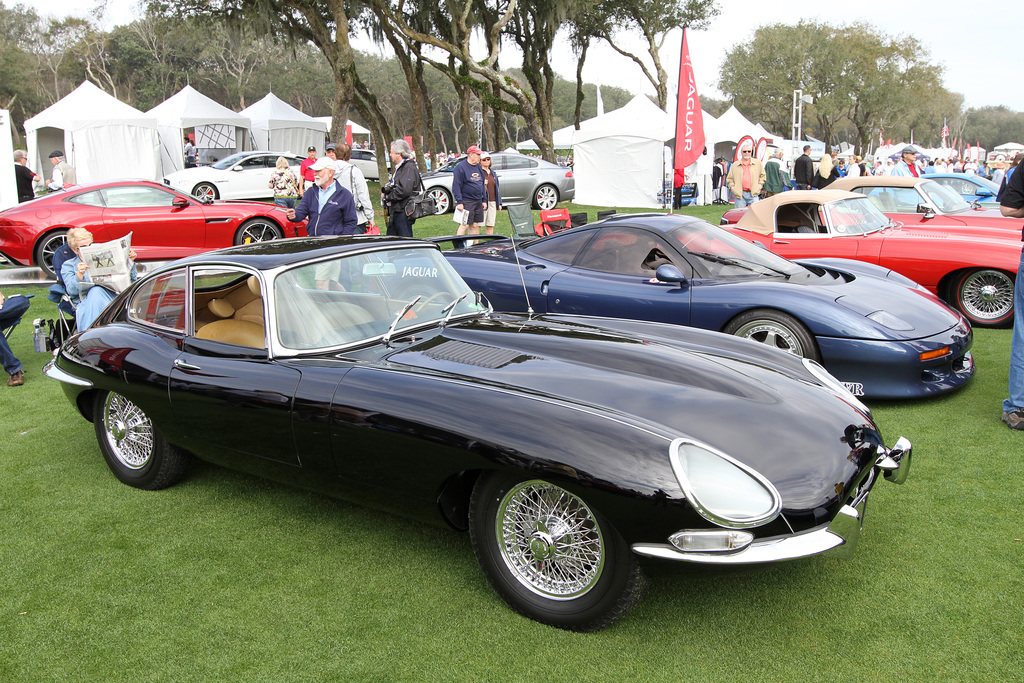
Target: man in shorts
[{"x": 470, "y": 192}]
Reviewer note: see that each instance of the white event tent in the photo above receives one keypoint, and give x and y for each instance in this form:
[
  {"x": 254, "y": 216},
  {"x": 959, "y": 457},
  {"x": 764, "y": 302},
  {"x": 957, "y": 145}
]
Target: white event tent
[
  {"x": 619, "y": 158},
  {"x": 219, "y": 131},
  {"x": 101, "y": 137},
  {"x": 278, "y": 126},
  {"x": 352, "y": 126}
]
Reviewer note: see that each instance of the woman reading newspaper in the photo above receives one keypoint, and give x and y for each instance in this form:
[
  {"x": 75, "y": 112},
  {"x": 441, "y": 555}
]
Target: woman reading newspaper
[{"x": 88, "y": 297}]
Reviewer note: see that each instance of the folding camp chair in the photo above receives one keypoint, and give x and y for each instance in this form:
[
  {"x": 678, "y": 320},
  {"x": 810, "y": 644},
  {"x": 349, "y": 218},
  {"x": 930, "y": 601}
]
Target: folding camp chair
[
  {"x": 521, "y": 217},
  {"x": 553, "y": 220},
  {"x": 64, "y": 326}
]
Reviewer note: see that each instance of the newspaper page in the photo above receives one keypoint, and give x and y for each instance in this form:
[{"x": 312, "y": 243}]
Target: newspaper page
[{"x": 109, "y": 264}]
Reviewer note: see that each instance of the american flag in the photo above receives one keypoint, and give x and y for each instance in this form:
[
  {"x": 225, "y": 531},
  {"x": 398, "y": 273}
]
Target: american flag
[{"x": 945, "y": 131}]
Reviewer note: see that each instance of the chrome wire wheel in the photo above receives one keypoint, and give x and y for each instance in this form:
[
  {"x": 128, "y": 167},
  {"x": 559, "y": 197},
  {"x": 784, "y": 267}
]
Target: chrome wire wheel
[
  {"x": 549, "y": 540},
  {"x": 986, "y": 296},
  {"x": 129, "y": 432}
]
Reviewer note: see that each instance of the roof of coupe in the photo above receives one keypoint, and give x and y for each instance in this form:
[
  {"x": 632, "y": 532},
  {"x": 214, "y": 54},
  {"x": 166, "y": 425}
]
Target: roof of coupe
[{"x": 760, "y": 216}]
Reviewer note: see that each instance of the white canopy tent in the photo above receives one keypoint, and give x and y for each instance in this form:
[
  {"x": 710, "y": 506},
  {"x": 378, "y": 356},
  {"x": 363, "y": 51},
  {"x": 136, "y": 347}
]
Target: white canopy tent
[
  {"x": 624, "y": 158},
  {"x": 351, "y": 125},
  {"x": 278, "y": 126},
  {"x": 101, "y": 137},
  {"x": 619, "y": 158},
  {"x": 219, "y": 131}
]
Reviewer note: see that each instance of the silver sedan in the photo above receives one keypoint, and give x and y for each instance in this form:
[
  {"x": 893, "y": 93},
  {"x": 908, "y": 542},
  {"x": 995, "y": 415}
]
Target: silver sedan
[{"x": 521, "y": 179}]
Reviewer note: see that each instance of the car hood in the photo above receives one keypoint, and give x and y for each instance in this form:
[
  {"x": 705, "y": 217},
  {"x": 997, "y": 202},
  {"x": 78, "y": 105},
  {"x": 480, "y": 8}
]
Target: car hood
[
  {"x": 862, "y": 291},
  {"x": 756, "y": 404}
]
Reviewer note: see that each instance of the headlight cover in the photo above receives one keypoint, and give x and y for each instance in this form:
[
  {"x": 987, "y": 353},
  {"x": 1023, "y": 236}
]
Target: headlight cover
[
  {"x": 723, "y": 490},
  {"x": 836, "y": 386}
]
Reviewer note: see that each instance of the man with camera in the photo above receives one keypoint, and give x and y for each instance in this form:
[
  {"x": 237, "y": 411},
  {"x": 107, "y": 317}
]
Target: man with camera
[{"x": 405, "y": 181}]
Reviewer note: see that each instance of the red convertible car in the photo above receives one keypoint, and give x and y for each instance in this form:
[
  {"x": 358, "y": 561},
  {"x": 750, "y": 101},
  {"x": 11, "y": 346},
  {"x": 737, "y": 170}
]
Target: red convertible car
[
  {"x": 165, "y": 224},
  {"x": 972, "y": 269},
  {"x": 924, "y": 203}
]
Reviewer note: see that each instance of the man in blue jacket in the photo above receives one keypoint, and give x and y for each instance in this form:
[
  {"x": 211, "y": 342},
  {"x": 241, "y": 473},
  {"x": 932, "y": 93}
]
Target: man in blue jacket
[
  {"x": 328, "y": 206},
  {"x": 470, "y": 192}
]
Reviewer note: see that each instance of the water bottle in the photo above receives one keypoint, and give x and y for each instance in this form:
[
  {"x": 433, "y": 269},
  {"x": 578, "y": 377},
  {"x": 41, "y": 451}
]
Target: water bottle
[{"x": 38, "y": 335}]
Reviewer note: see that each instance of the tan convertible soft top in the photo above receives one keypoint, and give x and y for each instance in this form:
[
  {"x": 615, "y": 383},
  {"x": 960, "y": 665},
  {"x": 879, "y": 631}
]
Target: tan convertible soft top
[
  {"x": 760, "y": 217},
  {"x": 876, "y": 181}
]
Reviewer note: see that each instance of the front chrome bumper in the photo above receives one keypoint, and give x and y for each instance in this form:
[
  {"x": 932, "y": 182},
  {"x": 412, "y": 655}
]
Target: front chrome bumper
[{"x": 840, "y": 536}]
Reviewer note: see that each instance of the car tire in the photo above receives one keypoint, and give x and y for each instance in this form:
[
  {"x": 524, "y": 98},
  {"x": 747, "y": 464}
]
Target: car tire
[
  {"x": 550, "y": 556},
  {"x": 258, "y": 230},
  {"x": 984, "y": 296},
  {"x": 545, "y": 197},
  {"x": 49, "y": 243},
  {"x": 133, "y": 447},
  {"x": 206, "y": 192},
  {"x": 442, "y": 200},
  {"x": 775, "y": 329}
]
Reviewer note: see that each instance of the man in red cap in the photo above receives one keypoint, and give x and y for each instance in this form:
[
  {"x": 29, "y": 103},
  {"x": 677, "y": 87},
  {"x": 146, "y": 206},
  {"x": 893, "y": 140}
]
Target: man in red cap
[{"x": 470, "y": 192}]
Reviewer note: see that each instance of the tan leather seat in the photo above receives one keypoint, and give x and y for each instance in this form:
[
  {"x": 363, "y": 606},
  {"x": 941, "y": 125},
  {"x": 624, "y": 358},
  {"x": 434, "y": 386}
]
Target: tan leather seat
[{"x": 231, "y": 331}]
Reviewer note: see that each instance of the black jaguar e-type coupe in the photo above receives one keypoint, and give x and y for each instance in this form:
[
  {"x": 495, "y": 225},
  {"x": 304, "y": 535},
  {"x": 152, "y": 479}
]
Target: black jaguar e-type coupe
[{"x": 567, "y": 446}]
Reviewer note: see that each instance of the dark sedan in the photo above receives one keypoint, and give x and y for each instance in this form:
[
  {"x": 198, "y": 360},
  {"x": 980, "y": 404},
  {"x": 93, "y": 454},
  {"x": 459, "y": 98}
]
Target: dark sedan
[
  {"x": 879, "y": 333},
  {"x": 568, "y": 447}
]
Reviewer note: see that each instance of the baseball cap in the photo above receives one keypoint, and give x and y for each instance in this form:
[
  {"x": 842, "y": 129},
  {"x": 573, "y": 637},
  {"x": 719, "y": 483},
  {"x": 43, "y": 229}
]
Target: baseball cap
[
  {"x": 473, "y": 149},
  {"x": 485, "y": 155},
  {"x": 311, "y": 149},
  {"x": 331, "y": 145},
  {"x": 322, "y": 163}
]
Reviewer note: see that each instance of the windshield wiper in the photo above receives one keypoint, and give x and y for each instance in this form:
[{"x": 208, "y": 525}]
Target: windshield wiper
[
  {"x": 450, "y": 308},
  {"x": 401, "y": 314},
  {"x": 740, "y": 263}
]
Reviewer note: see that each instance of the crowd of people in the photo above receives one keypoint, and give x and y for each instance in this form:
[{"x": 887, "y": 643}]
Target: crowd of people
[{"x": 733, "y": 185}]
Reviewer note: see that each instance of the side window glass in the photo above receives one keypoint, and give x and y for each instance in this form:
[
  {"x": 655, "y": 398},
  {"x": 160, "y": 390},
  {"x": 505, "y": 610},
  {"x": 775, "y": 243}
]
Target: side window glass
[
  {"x": 94, "y": 198},
  {"x": 161, "y": 301},
  {"x": 560, "y": 248},
  {"x": 136, "y": 196},
  {"x": 627, "y": 252}
]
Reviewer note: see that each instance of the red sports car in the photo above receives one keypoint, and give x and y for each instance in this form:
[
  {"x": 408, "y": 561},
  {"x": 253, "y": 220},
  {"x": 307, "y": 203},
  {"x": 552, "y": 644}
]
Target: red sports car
[
  {"x": 972, "y": 269},
  {"x": 924, "y": 203},
  {"x": 166, "y": 224}
]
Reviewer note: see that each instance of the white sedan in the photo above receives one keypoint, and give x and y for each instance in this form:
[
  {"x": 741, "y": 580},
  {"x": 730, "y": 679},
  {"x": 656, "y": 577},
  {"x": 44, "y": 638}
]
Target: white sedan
[{"x": 245, "y": 175}]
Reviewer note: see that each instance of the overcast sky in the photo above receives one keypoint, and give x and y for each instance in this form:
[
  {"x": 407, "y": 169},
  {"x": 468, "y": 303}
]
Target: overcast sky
[{"x": 972, "y": 42}]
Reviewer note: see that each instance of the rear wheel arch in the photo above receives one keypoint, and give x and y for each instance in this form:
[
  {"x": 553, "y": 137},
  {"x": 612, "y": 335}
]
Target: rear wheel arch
[{"x": 48, "y": 242}]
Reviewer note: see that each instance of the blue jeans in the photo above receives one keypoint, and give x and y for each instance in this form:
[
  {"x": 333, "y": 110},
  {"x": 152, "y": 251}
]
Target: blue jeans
[
  {"x": 287, "y": 202},
  {"x": 400, "y": 224},
  {"x": 1016, "y": 399},
  {"x": 14, "y": 308},
  {"x": 746, "y": 199}
]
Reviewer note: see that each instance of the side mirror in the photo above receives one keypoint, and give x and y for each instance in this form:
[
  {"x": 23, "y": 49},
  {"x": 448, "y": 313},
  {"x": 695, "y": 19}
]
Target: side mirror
[
  {"x": 669, "y": 273},
  {"x": 984, "y": 192},
  {"x": 236, "y": 168},
  {"x": 179, "y": 203},
  {"x": 926, "y": 210}
]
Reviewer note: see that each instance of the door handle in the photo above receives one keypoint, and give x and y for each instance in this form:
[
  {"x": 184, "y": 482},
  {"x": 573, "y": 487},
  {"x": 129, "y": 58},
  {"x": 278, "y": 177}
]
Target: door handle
[
  {"x": 535, "y": 266},
  {"x": 182, "y": 365}
]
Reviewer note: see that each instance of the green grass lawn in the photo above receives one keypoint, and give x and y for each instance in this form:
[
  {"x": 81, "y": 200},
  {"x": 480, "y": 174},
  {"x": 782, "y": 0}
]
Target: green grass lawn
[{"x": 228, "y": 577}]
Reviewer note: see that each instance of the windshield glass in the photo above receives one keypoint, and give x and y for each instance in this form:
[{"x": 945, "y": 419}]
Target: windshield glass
[
  {"x": 356, "y": 297},
  {"x": 855, "y": 216},
  {"x": 944, "y": 197},
  {"x": 230, "y": 161},
  {"x": 724, "y": 255}
]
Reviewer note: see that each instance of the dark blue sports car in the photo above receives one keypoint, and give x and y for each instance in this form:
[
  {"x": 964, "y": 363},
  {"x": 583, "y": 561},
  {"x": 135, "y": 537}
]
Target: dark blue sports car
[{"x": 881, "y": 334}]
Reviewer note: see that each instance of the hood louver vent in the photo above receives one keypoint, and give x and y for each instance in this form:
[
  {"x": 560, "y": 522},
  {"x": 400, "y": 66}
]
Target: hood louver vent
[{"x": 473, "y": 354}]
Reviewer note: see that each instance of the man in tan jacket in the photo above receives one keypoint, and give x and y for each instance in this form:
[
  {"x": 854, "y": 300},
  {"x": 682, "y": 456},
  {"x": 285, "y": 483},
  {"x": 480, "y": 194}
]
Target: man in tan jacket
[{"x": 746, "y": 178}]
